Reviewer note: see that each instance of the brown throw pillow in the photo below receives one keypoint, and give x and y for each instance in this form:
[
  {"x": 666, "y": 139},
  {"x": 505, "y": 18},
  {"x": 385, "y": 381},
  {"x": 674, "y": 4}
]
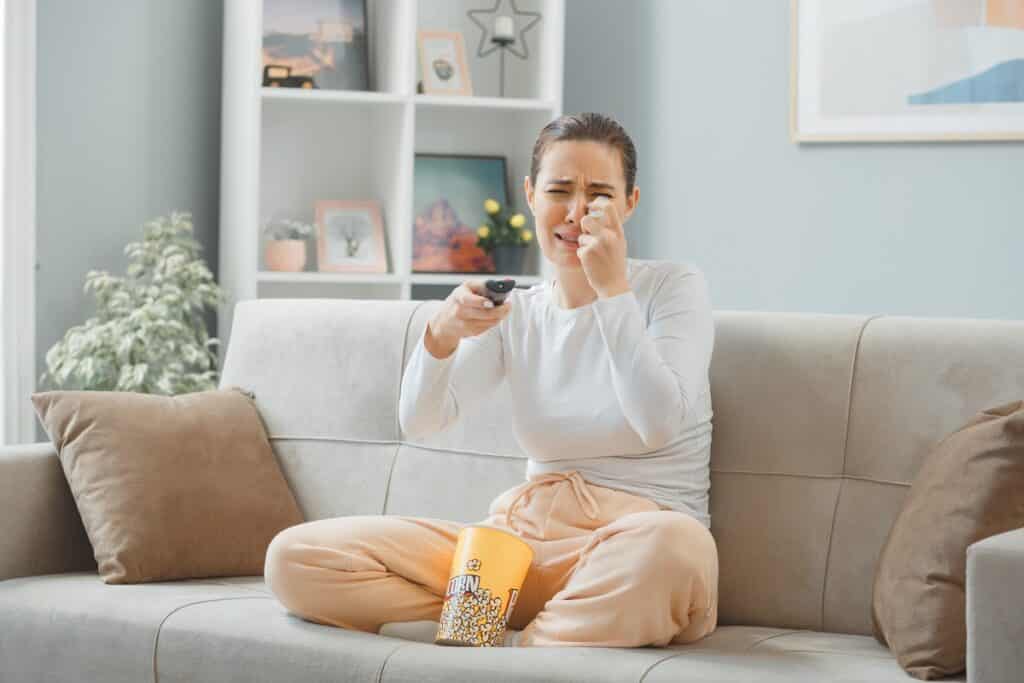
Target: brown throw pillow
[
  {"x": 170, "y": 487},
  {"x": 968, "y": 489}
]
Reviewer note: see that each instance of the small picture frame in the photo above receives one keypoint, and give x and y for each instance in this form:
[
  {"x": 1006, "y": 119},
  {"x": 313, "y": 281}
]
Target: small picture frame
[
  {"x": 316, "y": 44},
  {"x": 443, "y": 66},
  {"x": 350, "y": 237}
]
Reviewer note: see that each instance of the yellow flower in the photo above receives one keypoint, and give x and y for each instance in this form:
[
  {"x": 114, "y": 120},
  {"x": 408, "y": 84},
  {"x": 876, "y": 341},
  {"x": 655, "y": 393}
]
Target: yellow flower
[
  {"x": 483, "y": 231},
  {"x": 517, "y": 221},
  {"x": 527, "y": 235},
  {"x": 492, "y": 207}
]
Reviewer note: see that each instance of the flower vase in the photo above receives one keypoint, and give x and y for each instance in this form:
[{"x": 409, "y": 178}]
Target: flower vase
[
  {"x": 508, "y": 259},
  {"x": 285, "y": 255}
]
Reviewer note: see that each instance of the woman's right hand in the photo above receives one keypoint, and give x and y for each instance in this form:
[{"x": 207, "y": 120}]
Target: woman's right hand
[{"x": 465, "y": 313}]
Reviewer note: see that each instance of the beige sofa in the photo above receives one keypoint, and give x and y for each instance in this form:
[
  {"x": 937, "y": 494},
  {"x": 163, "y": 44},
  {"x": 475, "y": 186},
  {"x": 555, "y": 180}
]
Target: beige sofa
[{"x": 820, "y": 424}]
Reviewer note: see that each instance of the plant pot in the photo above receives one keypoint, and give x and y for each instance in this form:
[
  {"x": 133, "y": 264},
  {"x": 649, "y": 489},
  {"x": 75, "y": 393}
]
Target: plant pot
[
  {"x": 508, "y": 259},
  {"x": 285, "y": 255}
]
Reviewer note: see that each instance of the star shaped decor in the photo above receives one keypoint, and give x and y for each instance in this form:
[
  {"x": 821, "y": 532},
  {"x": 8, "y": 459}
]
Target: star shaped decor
[{"x": 499, "y": 43}]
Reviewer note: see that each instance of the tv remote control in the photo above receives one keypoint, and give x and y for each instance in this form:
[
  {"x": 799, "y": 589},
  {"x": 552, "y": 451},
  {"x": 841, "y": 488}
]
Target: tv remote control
[{"x": 498, "y": 290}]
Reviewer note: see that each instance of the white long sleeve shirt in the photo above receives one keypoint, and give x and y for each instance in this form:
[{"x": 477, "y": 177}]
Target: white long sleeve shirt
[{"x": 617, "y": 389}]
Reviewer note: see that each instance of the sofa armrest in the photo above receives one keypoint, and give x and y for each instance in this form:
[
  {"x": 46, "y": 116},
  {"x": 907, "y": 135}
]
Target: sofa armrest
[
  {"x": 995, "y": 608},
  {"x": 40, "y": 530}
]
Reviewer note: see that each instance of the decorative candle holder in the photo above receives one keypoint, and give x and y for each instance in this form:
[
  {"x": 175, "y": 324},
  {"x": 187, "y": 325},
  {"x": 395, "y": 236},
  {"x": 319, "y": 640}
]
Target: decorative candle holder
[{"x": 502, "y": 34}]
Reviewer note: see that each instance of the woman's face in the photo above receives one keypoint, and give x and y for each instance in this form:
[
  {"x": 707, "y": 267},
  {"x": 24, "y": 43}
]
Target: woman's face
[{"x": 573, "y": 174}]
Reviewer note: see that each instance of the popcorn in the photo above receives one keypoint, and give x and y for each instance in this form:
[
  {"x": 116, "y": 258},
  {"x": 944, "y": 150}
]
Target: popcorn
[{"x": 471, "y": 615}]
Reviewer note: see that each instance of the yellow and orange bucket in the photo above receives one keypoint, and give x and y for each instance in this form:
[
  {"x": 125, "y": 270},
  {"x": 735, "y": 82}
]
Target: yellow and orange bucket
[{"x": 487, "y": 572}]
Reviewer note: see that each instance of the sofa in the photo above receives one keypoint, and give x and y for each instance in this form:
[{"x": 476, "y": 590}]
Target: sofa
[{"x": 820, "y": 424}]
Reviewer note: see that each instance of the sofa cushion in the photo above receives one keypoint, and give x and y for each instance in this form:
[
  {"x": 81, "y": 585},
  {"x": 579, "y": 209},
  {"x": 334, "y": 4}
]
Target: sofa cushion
[
  {"x": 170, "y": 487},
  {"x": 731, "y": 653},
  {"x": 460, "y": 486},
  {"x": 967, "y": 490},
  {"x": 75, "y": 627},
  {"x": 783, "y": 658},
  {"x": 915, "y": 381}
]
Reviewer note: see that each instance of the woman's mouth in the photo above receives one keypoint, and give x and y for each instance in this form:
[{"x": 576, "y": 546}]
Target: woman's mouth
[{"x": 570, "y": 240}]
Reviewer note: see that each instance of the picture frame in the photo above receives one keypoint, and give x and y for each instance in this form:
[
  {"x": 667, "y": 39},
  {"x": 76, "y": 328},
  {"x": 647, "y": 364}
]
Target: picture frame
[
  {"x": 350, "y": 237},
  {"x": 444, "y": 69},
  {"x": 321, "y": 44},
  {"x": 936, "y": 71},
  {"x": 449, "y": 191}
]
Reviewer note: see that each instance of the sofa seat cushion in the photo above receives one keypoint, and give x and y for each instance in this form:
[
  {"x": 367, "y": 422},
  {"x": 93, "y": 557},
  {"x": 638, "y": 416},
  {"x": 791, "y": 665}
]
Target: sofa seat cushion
[
  {"x": 75, "y": 627},
  {"x": 786, "y": 655}
]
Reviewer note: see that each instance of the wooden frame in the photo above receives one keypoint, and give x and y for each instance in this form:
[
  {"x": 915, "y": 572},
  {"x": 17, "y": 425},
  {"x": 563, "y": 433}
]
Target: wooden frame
[
  {"x": 808, "y": 134},
  {"x": 374, "y": 259},
  {"x": 449, "y": 48}
]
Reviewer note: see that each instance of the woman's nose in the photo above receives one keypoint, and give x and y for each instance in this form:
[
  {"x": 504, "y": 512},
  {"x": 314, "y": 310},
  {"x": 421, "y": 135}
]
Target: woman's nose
[{"x": 578, "y": 210}]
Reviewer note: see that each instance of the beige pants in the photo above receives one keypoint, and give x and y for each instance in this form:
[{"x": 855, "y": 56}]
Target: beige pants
[{"x": 610, "y": 568}]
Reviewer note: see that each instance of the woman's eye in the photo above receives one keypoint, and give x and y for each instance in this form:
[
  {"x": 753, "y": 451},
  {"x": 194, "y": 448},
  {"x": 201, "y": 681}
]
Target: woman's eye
[
  {"x": 556, "y": 192},
  {"x": 603, "y": 194}
]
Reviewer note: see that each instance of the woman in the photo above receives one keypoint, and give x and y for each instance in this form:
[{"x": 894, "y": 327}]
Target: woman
[{"x": 608, "y": 368}]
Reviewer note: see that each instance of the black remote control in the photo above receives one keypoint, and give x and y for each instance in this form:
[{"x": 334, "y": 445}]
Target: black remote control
[{"x": 498, "y": 290}]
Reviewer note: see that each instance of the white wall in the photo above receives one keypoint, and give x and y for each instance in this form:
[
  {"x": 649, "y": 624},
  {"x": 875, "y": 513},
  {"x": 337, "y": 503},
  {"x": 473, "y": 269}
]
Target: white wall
[{"x": 703, "y": 87}]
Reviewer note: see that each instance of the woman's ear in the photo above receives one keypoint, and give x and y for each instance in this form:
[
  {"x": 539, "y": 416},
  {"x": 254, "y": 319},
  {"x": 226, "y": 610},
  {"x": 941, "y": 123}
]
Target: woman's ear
[
  {"x": 528, "y": 191},
  {"x": 631, "y": 202}
]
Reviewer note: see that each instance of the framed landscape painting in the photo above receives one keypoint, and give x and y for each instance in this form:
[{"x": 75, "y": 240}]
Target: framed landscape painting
[
  {"x": 907, "y": 70},
  {"x": 449, "y": 191}
]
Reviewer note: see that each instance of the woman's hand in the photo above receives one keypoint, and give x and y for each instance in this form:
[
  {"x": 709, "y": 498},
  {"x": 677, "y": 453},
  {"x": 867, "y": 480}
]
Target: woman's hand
[
  {"x": 602, "y": 249},
  {"x": 465, "y": 313}
]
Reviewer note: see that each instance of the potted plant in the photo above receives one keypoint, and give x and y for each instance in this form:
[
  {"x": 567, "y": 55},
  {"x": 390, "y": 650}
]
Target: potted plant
[
  {"x": 503, "y": 237},
  {"x": 286, "y": 245},
  {"x": 149, "y": 334}
]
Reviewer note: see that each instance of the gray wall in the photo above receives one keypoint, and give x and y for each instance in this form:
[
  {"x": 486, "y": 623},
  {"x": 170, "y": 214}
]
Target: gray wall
[
  {"x": 703, "y": 87},
  {"x": 128, "y": 128}
]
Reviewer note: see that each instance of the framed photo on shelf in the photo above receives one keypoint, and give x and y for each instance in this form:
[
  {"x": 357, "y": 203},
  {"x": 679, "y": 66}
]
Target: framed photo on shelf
[
  {"x": 883, "y": 71},
  {"x": 443, "y": 66},
  {"x": 449, "y": 191},
  {"x": 315, "y": 44},
  {"x": 350, "y": 237}
]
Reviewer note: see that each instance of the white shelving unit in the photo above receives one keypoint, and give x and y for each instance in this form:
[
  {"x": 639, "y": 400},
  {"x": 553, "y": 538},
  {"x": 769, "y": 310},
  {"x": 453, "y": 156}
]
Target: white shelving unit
[{"x": 284, "y": 149}]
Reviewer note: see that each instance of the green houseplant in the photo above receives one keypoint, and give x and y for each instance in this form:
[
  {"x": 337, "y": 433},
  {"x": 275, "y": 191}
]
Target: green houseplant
[
  {"x": 148, "y": 334},
  {"x": 503, "y": 237}
]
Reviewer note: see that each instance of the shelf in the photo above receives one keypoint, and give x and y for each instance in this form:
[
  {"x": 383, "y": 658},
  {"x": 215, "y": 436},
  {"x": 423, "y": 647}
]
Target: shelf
[
  {"x": 350, "y": 96},
  {"x": 355, "y": 278},
  {"x": 440, "y": 101},
  {"x": 501, "y": 103},
  {"x": 390, "y": 278},
  {"x": 459, "y": 278}
]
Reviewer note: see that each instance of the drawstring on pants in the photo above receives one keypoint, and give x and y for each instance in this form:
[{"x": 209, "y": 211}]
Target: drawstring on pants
[{"x": 579, "y": 487}]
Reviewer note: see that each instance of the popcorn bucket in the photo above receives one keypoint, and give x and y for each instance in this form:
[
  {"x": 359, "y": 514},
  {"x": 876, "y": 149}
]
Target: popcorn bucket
[{"x": 488, "y": 570}]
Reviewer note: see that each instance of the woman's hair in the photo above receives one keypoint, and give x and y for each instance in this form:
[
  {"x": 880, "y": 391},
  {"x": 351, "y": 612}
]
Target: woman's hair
[{"x": 591, "y": 127}]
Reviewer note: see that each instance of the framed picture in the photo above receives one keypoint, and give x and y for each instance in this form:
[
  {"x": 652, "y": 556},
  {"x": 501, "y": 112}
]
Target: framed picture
[
  {"x": 315, "y": 44},
  {"x": 350, "y": 237},
  {"x": 907, "y": 70},
  {"x": 449, "y": 191},
  {"x": 443, "y": 66}
]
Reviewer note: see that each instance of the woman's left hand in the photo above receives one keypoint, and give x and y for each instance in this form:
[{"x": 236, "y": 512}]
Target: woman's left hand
[{"x": 602, "y": 249}]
